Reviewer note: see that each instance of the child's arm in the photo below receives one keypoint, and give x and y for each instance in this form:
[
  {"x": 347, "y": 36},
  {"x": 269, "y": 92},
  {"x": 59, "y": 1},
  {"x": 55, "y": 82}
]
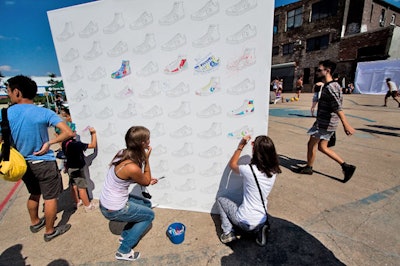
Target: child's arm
[{"x": 93, "y": 142}]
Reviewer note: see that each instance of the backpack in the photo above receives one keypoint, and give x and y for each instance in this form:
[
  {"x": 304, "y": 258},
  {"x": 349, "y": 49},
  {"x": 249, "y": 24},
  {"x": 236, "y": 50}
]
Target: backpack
[{"x": 12, "y": 163}]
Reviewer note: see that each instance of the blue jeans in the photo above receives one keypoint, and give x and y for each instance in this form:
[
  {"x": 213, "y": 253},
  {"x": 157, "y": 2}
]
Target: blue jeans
[{"x": 138, "y": 213}]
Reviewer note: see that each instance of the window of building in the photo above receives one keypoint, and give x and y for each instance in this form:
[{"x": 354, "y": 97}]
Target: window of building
[
  {"x": 276, "y": 24},
  {"x": 275, "y": 50},
  {"x": 382, "y": 18},
  {"x": 306, "y": 76},
  {"x": 287, "y": 49},
  {"x": 393, "y": 20},
  {"x": 295, "y": 18},
  {"x": 323, "y": 9},
  {"x": 317, "y": 43}
]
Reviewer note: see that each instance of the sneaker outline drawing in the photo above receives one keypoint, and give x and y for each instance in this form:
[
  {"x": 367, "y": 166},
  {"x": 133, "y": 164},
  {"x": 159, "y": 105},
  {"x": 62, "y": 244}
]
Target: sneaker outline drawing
[
  {"x": 245, "y": 109},
  {"x": 94, "y": 52},
  {"x": 185, "y": 150},
  {"x": 211, "y": 88},
  {"x": 90, "y": 29},
  {"x": 240, "y": 133},
  {"x": 209, "y": 9},
  {"x": 145, "y": 19},
  {"x": 147, "y": 45},
  {"x": 211, "y": 36},
  {"x": 109, "y": 131},
  {"x": 79, "y": 96},
  {"x": 159, "y": 150},
  {"x": 123, "y": 71},
  {"x": 125, "y": 93},
  {"x": 183, "y": 110},
  {"x": 120, "y": 48},
  {"x": 153, "y": 90},
  {"x": 241, "y": 7},
  {"x": 215, "y": 169},
  {"x": 178, "y": 40},
  {"x": 115, "y": 25},
  {"x": 71, "y": 55},
  {"x": 176, "y": 66},
  {"x": 153, "y": 112},
  {"x": 103, "y": 94},
  {"x": 149, "y": 69},
  {"x": 210, "y": 111},
  {"x": 161, "y": 167},
  {"x": 211, "y": 152},
  {"x": 179, "y": 90},
  {"x": 158, "y": 130},
  {"x": 177, "y": 13},
  {"x": 244, "y": 34},
  {"x": 185, "y": 170},
  {"x": 85, "y": 112},
  {"x": 99, "y": 73},
  {"x": 128, "y": 112},
  {"x": 77, "y": 74},
  {"x": 244, "y": 86},
  {"x": 214, "y": 131},
  {"x": 105, "y": 113},
  {"x": 190, "y": 184},
  {"x": 182, "y": 132},
  {"x": 248, "y": 58},
  {"x": 207, "y": 64},
  {"x": 67, "y": 32}
]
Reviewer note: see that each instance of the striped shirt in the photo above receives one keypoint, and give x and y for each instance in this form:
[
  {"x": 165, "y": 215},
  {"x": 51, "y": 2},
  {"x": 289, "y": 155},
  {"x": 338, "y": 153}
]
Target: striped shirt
[{"x": 329, "y": 104}]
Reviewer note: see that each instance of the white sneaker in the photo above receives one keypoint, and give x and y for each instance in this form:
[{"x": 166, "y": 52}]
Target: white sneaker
[
  {"x": 153, "y": 112},
  {"x": 214, "y": 130},
  {"x": 247, "y": 59},
  {"x": 207, "y": 64},
  {"x": 142, "y": 21},
  {"x": 67, "y": 32},
  {"x": 182, "y": 132},
  {"x": 190, "y": 183},
  {"x": 186, "y": 150},
  {"x": 99, "y": 73},
  {"x": 159, "y": 149},
  {"x": 215, "y": 169},
  {"x": 77, "y": 74},
  {"x": 119, "y": 49},
  {"x": 241, "y": 7},
  {"x": 102, "y": 94},
  {"x": 158, "y": 130},
  {"x": 71, "y": 55},
  {"x": 92, "y": 206},
  {"x": 178, "y": 90},
  {"x": 211, "y": 152},
  {"x": 185, "y": 170},
  {"x": 149, "y": 69},
  {"x": 241, "y": 132},
  {"x": 183, "y": 110},
  {"x": 161, "y": 167},
  {"x": 79, "y": 96},
  {"x": 174, "y": 43},
  {"x": 117, "y": 24},
  {"x": 94, "y": 52},
  {"x": 84, "y": 113},
  {"x": 152, "y": 91},
  {"x": 147, "y": 45},
  {"x": 90, "y": 29},
  {"x": 210, "y": 111},
  {"x": 209, "y": 38},
  {"x": 245, "y": 109},
  {"x": 242, "y": 87},
  {"x": 109, "y": 131},
  {"x": 211, "y": 88},
  {"x": 105, "y": 113},
  {"x": 131, "y": 256},
  {"x": 247, "y": 32},
  {"x": 176, "y": 66},
  {"x": 177, "y": 13},
  {"x": 124, "y": 93},
  {"x": 209, "y": 9},
  {"x": 128, "y": 112}
]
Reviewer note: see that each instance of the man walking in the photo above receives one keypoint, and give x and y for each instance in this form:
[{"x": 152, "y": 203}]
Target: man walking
[
  {"x": 29, "y": 129},
  {"x": 391, "y": 92},
  {"x": 328, "y": 115}
]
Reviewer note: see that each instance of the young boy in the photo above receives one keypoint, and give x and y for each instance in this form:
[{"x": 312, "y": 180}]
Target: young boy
[{"x": 73, "y": 151}]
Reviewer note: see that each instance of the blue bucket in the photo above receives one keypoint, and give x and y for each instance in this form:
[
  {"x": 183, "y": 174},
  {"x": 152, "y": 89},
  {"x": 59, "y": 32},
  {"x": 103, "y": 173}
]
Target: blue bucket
[{"x": 176, "y": 233}]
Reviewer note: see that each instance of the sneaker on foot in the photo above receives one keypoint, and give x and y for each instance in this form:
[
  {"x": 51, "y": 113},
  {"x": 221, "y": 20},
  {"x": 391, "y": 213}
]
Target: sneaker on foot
[
  {"x": 131, "y": 256},
  {"x": 92, "y": 206},
  {"x": 262, "y": 235},
  {"x": 226, "y": 238},
  {"x": 59, "y": 230},
  {"x": 306, "y": 170},
  {"x": 37, "y": 227},
  {"x": 348, "y": 171}
]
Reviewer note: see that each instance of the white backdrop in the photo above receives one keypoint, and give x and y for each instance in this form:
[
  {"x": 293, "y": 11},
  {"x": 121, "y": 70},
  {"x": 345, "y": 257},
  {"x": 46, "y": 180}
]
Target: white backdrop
[{"x": 195, "y": 73}]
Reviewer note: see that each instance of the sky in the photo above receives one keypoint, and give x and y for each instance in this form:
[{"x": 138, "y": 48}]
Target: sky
[{"x": 26, "y": 44}]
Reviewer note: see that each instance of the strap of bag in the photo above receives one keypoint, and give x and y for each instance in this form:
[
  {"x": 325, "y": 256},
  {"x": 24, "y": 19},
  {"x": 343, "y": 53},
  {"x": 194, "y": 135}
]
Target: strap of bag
[
  {"x": 6, "y": 136},
  {"x": 259, "y": 189}
]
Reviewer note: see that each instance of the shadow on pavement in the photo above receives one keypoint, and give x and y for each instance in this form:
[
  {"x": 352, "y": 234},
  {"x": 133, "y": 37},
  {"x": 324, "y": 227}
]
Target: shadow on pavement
[
  {"x": 12, "y": 254},
  {"x": 66, "y": 205},
  {"x": 373, "y": 131}
]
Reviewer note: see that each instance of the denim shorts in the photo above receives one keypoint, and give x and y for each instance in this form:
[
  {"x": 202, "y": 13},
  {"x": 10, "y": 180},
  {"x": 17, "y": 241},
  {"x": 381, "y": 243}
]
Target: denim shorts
[{"x": 320, "y": 133}]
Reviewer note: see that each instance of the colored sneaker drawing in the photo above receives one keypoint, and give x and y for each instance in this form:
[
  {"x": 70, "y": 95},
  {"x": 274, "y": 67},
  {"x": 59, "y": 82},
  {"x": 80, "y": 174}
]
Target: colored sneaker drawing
[
  {"x": 67, "y": 32},
  {"x": 99, "y": 73},
  {"x": 177, "y": 13},
  {"x": 211, "y": 88},
  {"x": 117, "y": 24},
  {"x": 174, "y": 43},
  {"x": 213, "y": 131},
  {"x": 183, "y": 110},
  {"x": 123, "y": 71},
  {"x": 176, "y": 66},
  {"x": 71, "y": 55},
  {"x": 94, "y": 52},
  {"x": 209, "y": 38},
  {"x": 247, "y": 32},
  {"x": 152, "y": 91},
  {"x": 207, "y": 64},
  {"x": 178, "y": 90},
  {"x": 240, "y": 133},
  {"x": 241, "y": 7},
  {"x": 120, "y": 48},
  {"x": 245, "y": 109},
  {"x": 210, "y": 111},
  {"x": 209, "y": 9},
  {"x": 211, "y": 152},
  {"x": 182, "y": 132},
  {"x": 243, "y": 87},
  {"x": 89, "y": 30},
  {"x": 148, "y": 69},
  {"x": 142, "y": 21},
  {"x": 147, "y": 45},
  {"x": 247, "y": 59},
  {"x": 153, "y": 112}
]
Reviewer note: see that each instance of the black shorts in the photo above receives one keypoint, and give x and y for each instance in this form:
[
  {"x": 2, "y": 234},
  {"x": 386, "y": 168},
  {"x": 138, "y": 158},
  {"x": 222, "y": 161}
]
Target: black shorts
[
  {"x": 43, "y": 178},
  {"x": 394, "y": 94}
]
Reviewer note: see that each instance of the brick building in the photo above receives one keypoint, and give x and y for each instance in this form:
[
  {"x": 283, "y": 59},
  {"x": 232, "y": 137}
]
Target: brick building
[{"x": 345, "y": 31}]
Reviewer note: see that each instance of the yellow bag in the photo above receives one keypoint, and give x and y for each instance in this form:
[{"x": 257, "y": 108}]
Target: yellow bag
[{"x": 13, "y": 169}]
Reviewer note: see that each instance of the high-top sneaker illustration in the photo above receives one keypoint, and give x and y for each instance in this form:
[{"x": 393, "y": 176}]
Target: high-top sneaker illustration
[
  {"x": 146, "y": 18},
  {"x": 161, "y": 167},
  {"x": 245, "y": 33},
  {"x": 125, "y": 93},
  {"x": 158, "y": 130},
  {"x": 71, "y": 55},
  {"x": 178, "y": 90},
  {"x": 90, "y": 29},
  {"x": 109, "y": 131},
  {"x": 213, "y": 131},
  {"x": 67, "y": 32},
  {"x": 210, "y": 111},
  {"x": 117, "y": 24},
  {"x": 152, "y": 91},
  {"x": 241, "y": 132},
  {"x": 241, "y": 7},
  {"x": 177, "y": 13},
  {"x": 94, "y": 52},
  {"x": 149, "y": 69},
  {"x": 175, "y": 42},
  {"x": 183, "y": 110},
  {"x": 79, "y": 96},
  {"x": 182, "y": 132},
  {"x": 148, "y": 44},
  {"x": 159, "y": 150},
  {"x": 119, "y": 49},
  {"x": 77, "y": 74},
  {"x": 209, "y": 9},
  {"x": 245, "y": 109},
  {"x": 211, "y": 88},
  {"x": 207, "y": 64},
  {"x": 85, "y": 112},
  {"x": 209, "y": 38},
  {"x": 99, "y": 73},
  {"x": 128, "y": 112},
  {"x": 186, "y": 150},
  {"x": 104, "y": 93},
  {"x": 176, "y": 66},
  {"x": 247, "y": 59},
  {"x": 244, "y": 86},
  {"x": 123, "y": 71},
  {"x": 105, "y": 113}
]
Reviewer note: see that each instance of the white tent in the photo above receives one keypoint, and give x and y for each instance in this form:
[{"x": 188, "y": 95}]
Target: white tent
[{"x": 371, "y": 76}]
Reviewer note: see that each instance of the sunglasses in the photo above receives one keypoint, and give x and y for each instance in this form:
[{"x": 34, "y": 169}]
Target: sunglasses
[{"x": 319, "y": 70}]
